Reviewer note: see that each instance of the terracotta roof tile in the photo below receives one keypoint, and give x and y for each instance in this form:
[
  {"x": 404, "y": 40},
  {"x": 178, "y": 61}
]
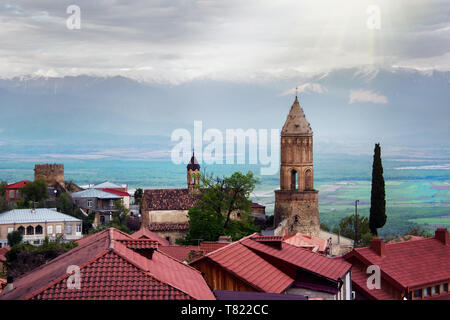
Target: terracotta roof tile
[
  {"x": 410, "y": 263},
  {"x": 169, "y": 199},
  {"x": 144, "y": 233},
  {"x": 329, "y": 268},
  {"x": 111, "y": 270},
  {"x": 306, "y": 241},
  {"x": 181, "y": 253}
]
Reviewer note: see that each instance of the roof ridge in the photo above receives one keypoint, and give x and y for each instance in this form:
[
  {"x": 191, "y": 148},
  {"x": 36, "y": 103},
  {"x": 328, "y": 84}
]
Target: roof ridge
[
  {"x": 231, "y": 244},
  {"x": 184, "y": 264},
  {"x": 147, "y": 271}
]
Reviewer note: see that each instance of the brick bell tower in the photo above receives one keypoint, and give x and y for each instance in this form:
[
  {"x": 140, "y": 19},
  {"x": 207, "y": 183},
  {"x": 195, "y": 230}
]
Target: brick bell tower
[
  {"x": 193, "y": 172},
  {"x": 297, "y": 203}
]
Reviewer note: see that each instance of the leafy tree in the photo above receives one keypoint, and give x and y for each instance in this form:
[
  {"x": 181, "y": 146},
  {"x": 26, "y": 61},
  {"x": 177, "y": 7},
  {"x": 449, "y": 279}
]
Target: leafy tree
[
  {"x": 227, "y": 195},
  {"x": 219, "y": 198},
  {"x": 417, "y": 231},
  {"x": 138, "y": 193},
  {"x": 346, "y": 228},
  {"x": 35, "y": 191},
  {"x": 324, "y": 227},
  {"x": 4, "y": 204},
  {"x": 24, "y": 257},
  {"x": 64, "y": 204},
  {"x": 14, "y": 238},
  {"x": 378, "y": 216}
]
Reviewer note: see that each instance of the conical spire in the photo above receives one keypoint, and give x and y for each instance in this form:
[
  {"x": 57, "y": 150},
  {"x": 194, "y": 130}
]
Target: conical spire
[
  {"x": 296, "y": 123},
  {"x": 193, "y": 164}
]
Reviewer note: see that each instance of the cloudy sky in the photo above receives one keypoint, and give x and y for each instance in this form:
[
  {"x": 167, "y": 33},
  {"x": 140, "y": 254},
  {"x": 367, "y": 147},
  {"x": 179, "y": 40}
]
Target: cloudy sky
[{"x": 253, "y": 40}]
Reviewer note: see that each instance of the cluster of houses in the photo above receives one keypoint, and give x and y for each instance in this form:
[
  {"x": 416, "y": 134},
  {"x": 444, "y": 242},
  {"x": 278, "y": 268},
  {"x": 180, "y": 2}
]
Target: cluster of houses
[{"x": 294, "y": 260}]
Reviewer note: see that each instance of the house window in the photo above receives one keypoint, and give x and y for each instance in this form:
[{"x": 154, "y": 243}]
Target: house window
[
  {"x": 50, "y": 230},
  {"x": 11, "y": 194},
  {"x": 58, "y": 228},
  {"x": 435, "y": 290},
  {"x": 418, "y": 294},
  {"x": 78, "y": 227},
  {"x": 10, "y": 230},
  {"x": 68, "y": 229},
  {"x": 444, "y": 287},
  {"x": 111, "y": 203},
  {"x": 427, "y": 292},
  {"x": 89, "y": 203}
]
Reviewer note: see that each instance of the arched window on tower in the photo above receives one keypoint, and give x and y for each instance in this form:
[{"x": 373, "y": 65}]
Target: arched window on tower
[
  {"x": 294, "y": 180},
  {"x": 308, "y": 180}
]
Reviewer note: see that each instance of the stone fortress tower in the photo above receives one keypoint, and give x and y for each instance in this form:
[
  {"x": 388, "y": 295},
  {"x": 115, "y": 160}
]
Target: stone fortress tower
[
  {"x": 296, "y": 203},
  {"x": 193, "y": 172},
  {"x": 53, "y": 174}
]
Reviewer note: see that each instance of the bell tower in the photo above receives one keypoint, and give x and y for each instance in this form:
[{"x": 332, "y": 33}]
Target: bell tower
[
  {"x": 193, "y": 172},
  {"x": 296, "y": 203}
]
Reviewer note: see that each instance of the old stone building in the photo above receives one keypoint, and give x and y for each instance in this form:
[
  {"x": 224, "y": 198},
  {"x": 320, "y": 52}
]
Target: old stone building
[
  {"x": 53, "y": 174},
  {"x": 296, "y": 203}
]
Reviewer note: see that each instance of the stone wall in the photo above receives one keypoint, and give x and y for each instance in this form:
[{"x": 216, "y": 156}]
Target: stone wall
[
  {"x": 299, "y": 209},
  {"x": 52, "y": 173}
]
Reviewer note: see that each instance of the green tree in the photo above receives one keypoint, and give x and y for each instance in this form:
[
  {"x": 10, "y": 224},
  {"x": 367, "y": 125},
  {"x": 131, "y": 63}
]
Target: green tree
[
  {"x": 378, "y": 216},
  {"x": 346, "y": 228},
  {"x": 64, "y": 204},
  {"x": 219, "y": 198},
  {"x": 138, "y": 193},
  {"x": 228, "y": 195},
  {"x": 4, "y": 204},
  {"x": 35, "y": 191},
  {"x": 14, "y": 238}
]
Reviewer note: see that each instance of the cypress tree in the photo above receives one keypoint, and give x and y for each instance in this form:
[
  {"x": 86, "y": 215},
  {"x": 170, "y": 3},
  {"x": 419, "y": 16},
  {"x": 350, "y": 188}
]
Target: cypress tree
[{"x": 377, "y": 217}]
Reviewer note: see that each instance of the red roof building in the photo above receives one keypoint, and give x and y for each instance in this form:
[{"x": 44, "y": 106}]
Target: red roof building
[
  {"x": 418, "y": 269},
  {"x": 312, "y": 243},
  {"x": 144, "y": 233},
  {"x": 113, "y": 266},
  {"x": 267, "y": 264},
  {"x": 13, "y": 191},
  {"x": 117, "y": 192}
]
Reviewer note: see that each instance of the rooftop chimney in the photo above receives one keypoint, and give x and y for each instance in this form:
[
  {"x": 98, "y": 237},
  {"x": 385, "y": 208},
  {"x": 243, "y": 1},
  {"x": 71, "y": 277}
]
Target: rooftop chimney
[
  {"x": 441, "y": 234},
  {"x": 378, "y": 246}
]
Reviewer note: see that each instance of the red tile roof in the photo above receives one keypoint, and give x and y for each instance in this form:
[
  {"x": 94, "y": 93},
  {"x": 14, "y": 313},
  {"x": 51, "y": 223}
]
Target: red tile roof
[
  {"x": 210, "y": 246},
  {"x": 144, "y": 233},
  {"x": 110, "y": 270},
  {"x": 410, "y": 263},
  {"x": 18, "y": 185},
  {"x": 181, "y": 253},
  {"x": 359, "y": 281},
  {"x": 169, "y": 199},
  {"x": 117, "y": 192},
  {"x": 307, "y": 241},
  {"x": 270, "y": 269},
  {"x": 332, "y": 269}
]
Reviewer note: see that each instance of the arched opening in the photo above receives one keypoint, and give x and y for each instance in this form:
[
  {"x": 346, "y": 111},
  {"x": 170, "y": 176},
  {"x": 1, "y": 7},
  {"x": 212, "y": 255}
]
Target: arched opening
[
  {"x": 38, "y": 229},
  {"x": 30, "y": 230},
  {"x": 21, "y": 230},
  {"x": 294, "y": 180},
  {"x": 308, "y": 180}
]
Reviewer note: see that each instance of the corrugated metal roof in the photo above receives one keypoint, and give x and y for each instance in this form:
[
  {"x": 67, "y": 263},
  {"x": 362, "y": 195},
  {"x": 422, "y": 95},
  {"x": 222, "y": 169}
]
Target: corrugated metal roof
[
  {"x": 95, "y": 193},
  {"x": 107, "y": 184},
  {"x": 39, "y": 215}
]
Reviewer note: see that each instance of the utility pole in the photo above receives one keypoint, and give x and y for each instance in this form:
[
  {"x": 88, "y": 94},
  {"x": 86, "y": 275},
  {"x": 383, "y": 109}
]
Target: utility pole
[{"x": 356, "y": 222}]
